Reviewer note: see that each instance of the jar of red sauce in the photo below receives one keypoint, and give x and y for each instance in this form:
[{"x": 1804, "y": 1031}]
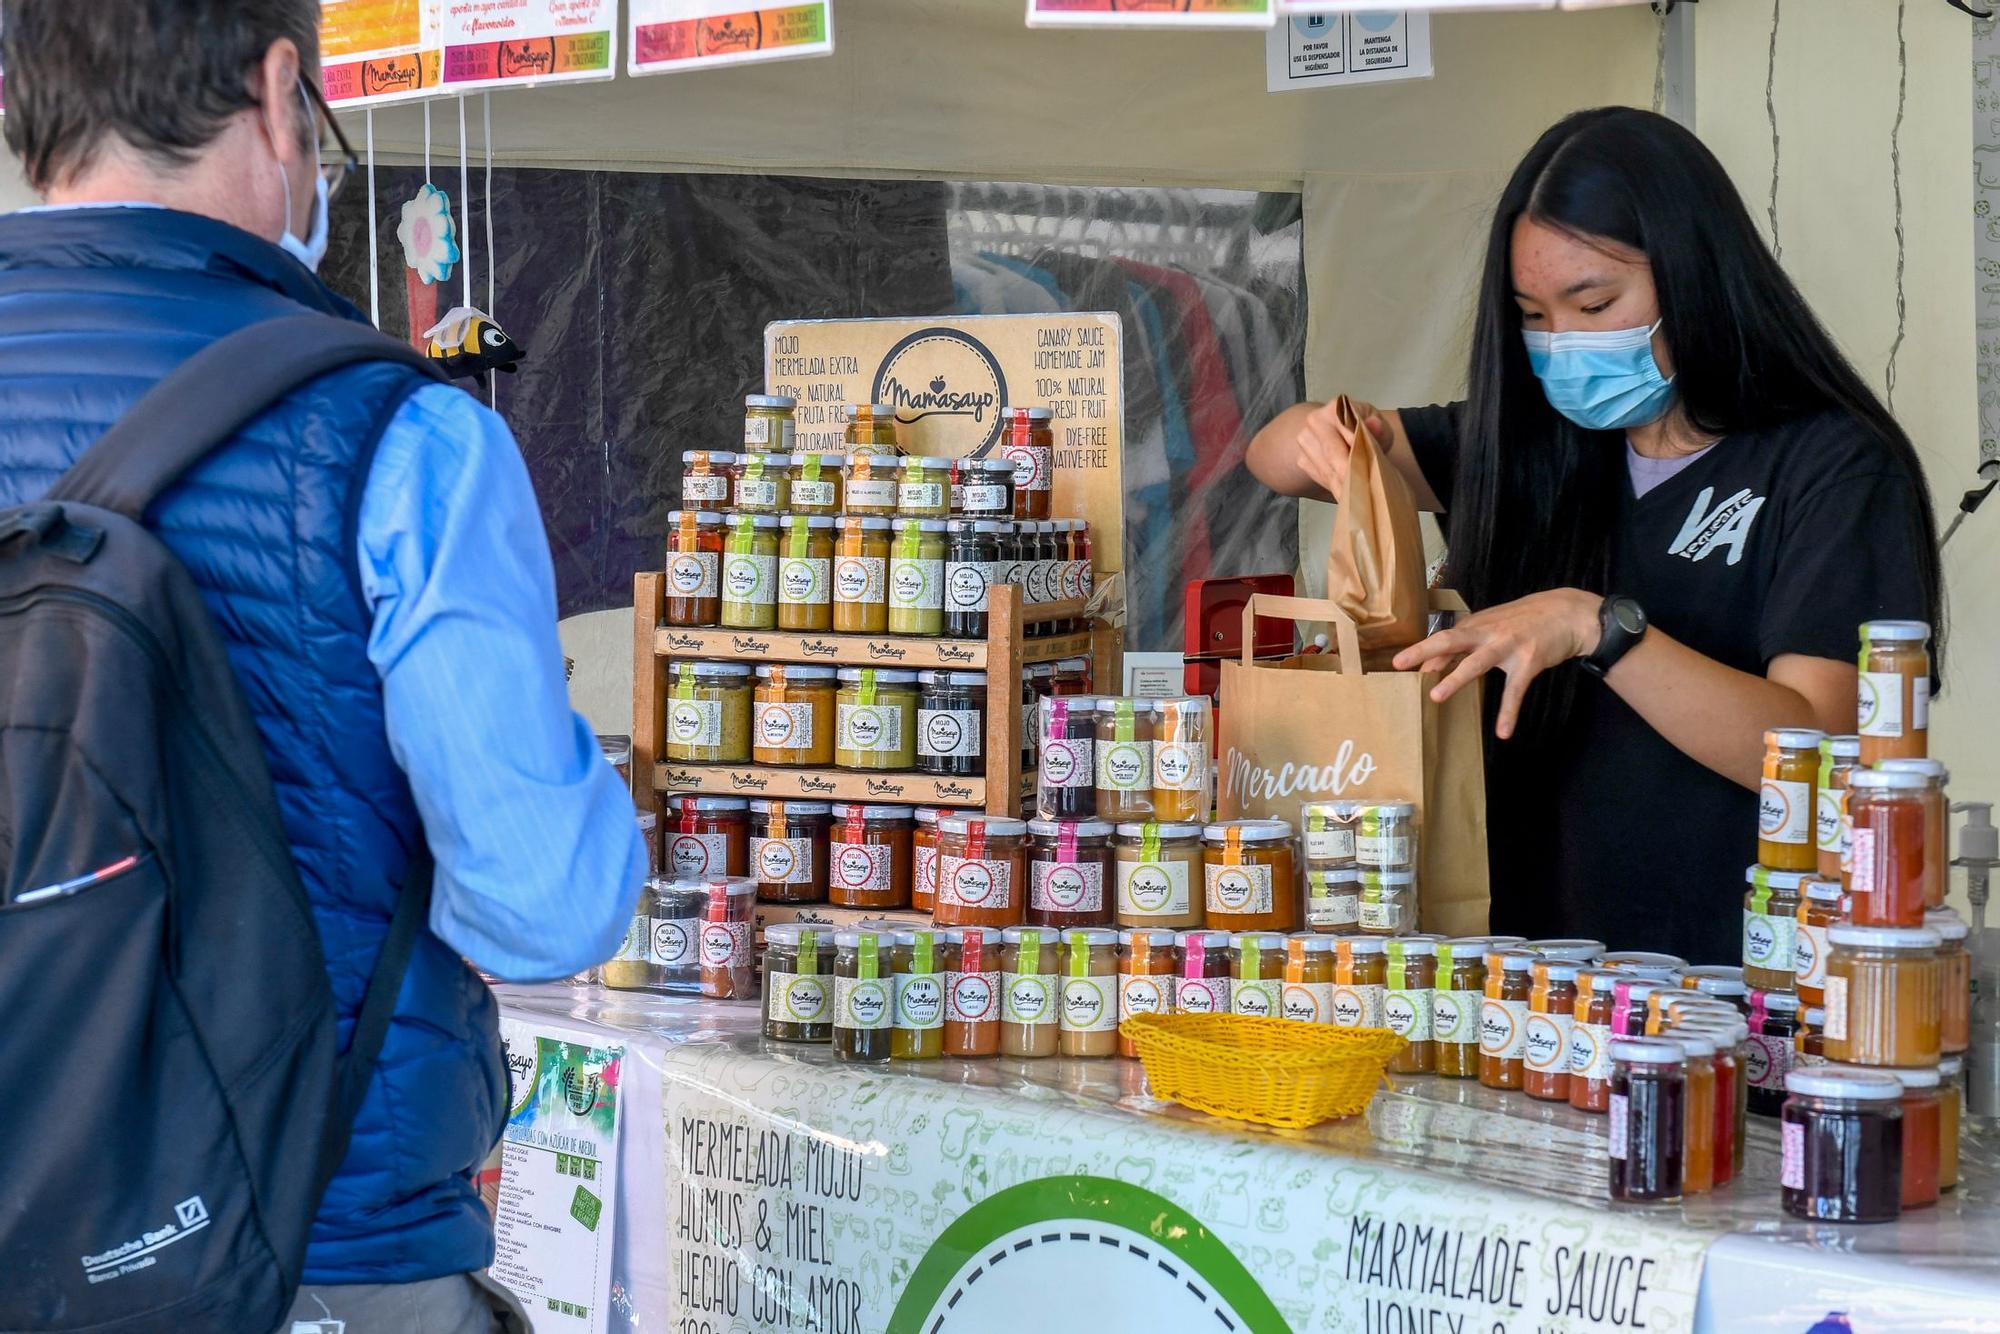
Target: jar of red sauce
[
  {"x": 1889, "y": 847},
  {"x": 706, "y": 837}
]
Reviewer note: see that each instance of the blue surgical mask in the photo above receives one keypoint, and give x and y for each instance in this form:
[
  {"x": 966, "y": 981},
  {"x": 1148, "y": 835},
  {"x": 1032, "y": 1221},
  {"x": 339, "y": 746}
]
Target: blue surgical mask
[
  {"x": 1602, "y": 381},
  {"x": 312, "y": 250}
]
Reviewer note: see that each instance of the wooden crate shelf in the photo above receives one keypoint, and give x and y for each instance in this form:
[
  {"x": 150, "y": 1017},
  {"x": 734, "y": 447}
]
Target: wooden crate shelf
[
  {"x": 671, "y": 641},
  {"x": 764, "y": 780}
]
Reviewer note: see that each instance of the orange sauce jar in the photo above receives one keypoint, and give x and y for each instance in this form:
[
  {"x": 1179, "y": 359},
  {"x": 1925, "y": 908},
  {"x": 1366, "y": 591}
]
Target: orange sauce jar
[
  {"x": 1822, "y": 905},
  {"x": 1884, "y": 996},
  {"x": 1308, "y": 980},
  {"x": 972, "y": 991},
  {"x": 1360, "y": 982},
  {"x": 1406, "y": 1007},
  {"x": 1551, "y": 1017},
  {"x": 1955, "y": 961},
  {"x": 1786, "y": 806},
  {"x": 1937, "y": 826},
  {"x": 1146, "y": 962},
  {"x": 1252, "y": 885},
  {"x": 1895, "y": 691},
  {"x": 924, "y": 859},
  {"x": 1503, "y": 1019},
  {"x": 1590, "y": 1038},
  {"x": 1837, "y": 757}
]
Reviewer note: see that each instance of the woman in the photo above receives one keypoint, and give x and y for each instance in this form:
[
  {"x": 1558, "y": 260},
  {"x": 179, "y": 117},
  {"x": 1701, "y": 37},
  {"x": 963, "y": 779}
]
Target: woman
[{"x": 1670, "y": 502}]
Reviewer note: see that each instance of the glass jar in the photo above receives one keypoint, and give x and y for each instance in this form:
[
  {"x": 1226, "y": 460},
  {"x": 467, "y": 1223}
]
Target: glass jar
[
  {"x": 662, "y": 941},
  {"x": 1698, "y": 1134},
  {"x": 750, "y": 572},
  {"x": 1503, "y": 1019},
  {"x": 1718, "y": 981},
  {"x": 798, "y": 966},
  {"x": 1884, "y": 996},
  {"x": 1069, "y": 866},
  {"x": 1307, "y": 997},
  {"x": 1590, "y": 1038},
  {"x": 923, "y": 487},
  {"x": 706, "y": 837},
  {"x": 972, "y": 991},
  {"x": 1838, "y": 756},
  {"x": 1568, "y": 951},
  {"x": 1461, "y": 982},
  {"x": 649, "y": 830},
  {"x": 871, "y": 429},
  {"x": 1551, "y": 1019},
  {"x": 1124, "y": 754},
  {"x": 1774, "y": 1022},
  {"x": 769, "y": 423},
  {"x": 1937, "y": 825},
  {"x": 951, "y": 723},
  {"x": 1388, "y": 902},
  {"x": 869, "y": 856},
  {"x": 1770, "y": 928},
  {"x": 1035, "y": 563},
  {"x": 1331, "y": 831},
  {"x": 1822, "y": 904},
  {"x": 970, "y": 557},
  {"x": 1631, "y": 1000},
  {"x": 1030, "y": 1004},
  {"x": 1895, "y": 691},
  {"x": 1036, "y": 679},
  {"x": 916, "y": 578},
  {"x": 869, "y": 488},
  {"x": 788, "y": 841},
  {"x": 1082, "y": 559},
  {"x": 805, "y": 573},
  {"x": 1072, "y": 677},
  {"x": 1386, "y": 837},
  {"x": 924, "y": 859},
  {"x": 816, "y": 480},
  {"x": 1809, "y": 1041},
  {"x": 1065, "y": 741},
  {"x": 1183, "y": 732},
  {"x": 1955, "y": 967},
  {"x": 1726, "y": 1137},
  {"x": 708, "y": 479},
  {"x": 1202, "y": 984},
  {"x": 864, "y": 996},
  {"x": 983, "y": 488},
  {"x": 1147, "y": 960},
  {"x": 617, "y": 752},
  {"x": 1842, "y": 1133},
  {"x": 1648, "y": 1120},
  {"x": 1360, "y": 982},
  {"x": 1089, "y": 1017},
  {"x": 1333, "y": 899},
  {"x": 1923, "y": 1133},
  {"x": 1951, "y": 1074},
  {"x": 694, "y": 568},
  {"x": 728, "y": 961},
  {"x": 1256, "y": 973},
  {"x": 708, "y": 712},
  {"x": 1642, "y": 963},
  {"x": 794, "y": 716},
  {"x": 1157, "y": 867},
  {"x": 917, "y": 962},
  {"x": 1406, "y": 1005},
  {"x": 982, "y": 870},
  {"x": 861, "y": 576},
  {"x": 875, "y": 719},
  {"x": 1028, "y": 441},
  {"x": 1786, "y": 808},
  {"x": 1247, "y": 871},
  {"x": 1889, "y": 847},
  {"x": 764, "y": 484}
]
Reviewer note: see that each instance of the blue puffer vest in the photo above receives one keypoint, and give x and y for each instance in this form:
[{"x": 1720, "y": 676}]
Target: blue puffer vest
[{"x": 95, "y": 307}]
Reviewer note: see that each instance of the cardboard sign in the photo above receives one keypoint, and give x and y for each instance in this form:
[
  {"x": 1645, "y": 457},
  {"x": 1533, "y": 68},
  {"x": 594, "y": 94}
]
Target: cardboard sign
[
  {"x": 380, "y": 51},
  {"x": 668, "y": 36},
  {"x": 520, "y": 43},
  {"x": 948, "y": 378},
  {"x": 1341, "y": 50},
  {"x": 1151, "y": 13}
]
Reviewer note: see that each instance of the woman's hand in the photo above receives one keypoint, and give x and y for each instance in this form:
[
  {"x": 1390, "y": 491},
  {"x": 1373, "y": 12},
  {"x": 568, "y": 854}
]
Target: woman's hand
[
  {"x": 1324, "y": 443},
  {"x": 1523, "y": 638}
]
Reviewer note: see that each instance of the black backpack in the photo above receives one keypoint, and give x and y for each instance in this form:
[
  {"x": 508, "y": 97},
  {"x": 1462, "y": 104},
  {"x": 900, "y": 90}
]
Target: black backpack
[{"x": 175, "y": 1102}]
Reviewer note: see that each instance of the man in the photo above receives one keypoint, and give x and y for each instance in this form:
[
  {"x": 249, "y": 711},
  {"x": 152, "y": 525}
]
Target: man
[{"x": 377, "y": 566}]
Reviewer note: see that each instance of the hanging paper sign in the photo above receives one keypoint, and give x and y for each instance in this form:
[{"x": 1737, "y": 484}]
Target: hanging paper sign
[
  {"x": 520, "y": 43},
  {"x": 1151, "y": 13},
  {"x": 1373, "y": 6},
  {"x": 377, "y": 51},
  {"x": 1341, "y": 50},
  {"x": 668, "y": 36}
]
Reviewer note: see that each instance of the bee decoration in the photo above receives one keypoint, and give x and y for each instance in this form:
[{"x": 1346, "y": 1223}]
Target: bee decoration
[{"x": 467, "y": 343}]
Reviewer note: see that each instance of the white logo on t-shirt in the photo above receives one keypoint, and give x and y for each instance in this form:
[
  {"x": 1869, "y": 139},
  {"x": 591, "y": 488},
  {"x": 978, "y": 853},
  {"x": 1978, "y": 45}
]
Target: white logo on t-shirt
[{"x": 1728, "y": 524}]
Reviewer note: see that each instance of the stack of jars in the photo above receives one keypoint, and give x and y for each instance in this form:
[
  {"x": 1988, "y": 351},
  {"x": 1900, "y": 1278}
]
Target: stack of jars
[
  {"x": 690, "y": 935},
  {"x": 1361, "y": 867}
]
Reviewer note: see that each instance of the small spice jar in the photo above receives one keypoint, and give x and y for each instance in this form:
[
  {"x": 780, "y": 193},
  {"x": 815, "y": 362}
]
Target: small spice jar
[
  {"x": 1648, "y": 1108},
  {"x": 869, "y": 487},
  {"x": 875, "y": 719},
  {"x": 788, "y": 850},
  {"x": 1307, "y": 995},
  {"x": 1822, "y": 904},
  {"x": 1388, "y": 902},
  {"x": 1955, "y": 965},
  {"x": 1256, "y": 973},
  {"x": 982, "y": 871},
  {"x": 708, "y": 479},
  {"x": 918, "y": 963},
  {"x": 871, "y": 429},
  {"x": 861, "y": 576},
  {"x": 1551, "y": 1018},
  {"x": 1069, "y": 868},
  {"x": 869, "y": 863},
  {"x": 1360, "y": 982},
  {"x": 864, "y": 996},
  {"x": 1183, "y": 732},
  {"x": 694, "y": 568},
  {"x": 1884, "y": 996},
  {"x": 983, "y": 488},
  {"x": 1386, "y": 837},
  {"x": 951, "y": 723},
  {"x": 1201, "y": 986},
  {"x": 923, "y": 488},
  {"x": 924, "y": 859},
  {"x": 1333, "y": 899},
  {"x": 1455, "y": 997},
  {"x": 972, "y": 991},
  {"x": 708, "y": 713},
  {"x": 1503, "y": 1019},
  {"x": 1030, "y": 1006},
  {"x": 794, "y": 715},
  {"x": 1146, "y": 963},
  {"x": 816, "y": 480},
  {"x": 1889, "y": 847},
  {"x": 805, "y": 573},
  {"x": 1247, "y": 870},
  {"x": 1809, "y": 1042},
  {"x": 750, "y": 572},
  {"x": 728, "y": 963},
  {"x": 798, "y": 987},
  {"x": 1066, "y": 739},
  {"x": 764, "y": 484},
  {"x": 1406, "y": 1005},
  {"x": 1124, "y": 753},
  {"x": 706, "y": 837},
  {"x": 649, "y": 830},
  {"x": 1641, "y": 963},
  {"x": 1895, "y": 691},
  {"x": 1842, "y": 1135},
  {"x": 1028, "y": 441},
  {"x": 1770, "y": 928},
  {"x": 769, "y": 422},
  {"x": 1786, "y": 809},
  {"x": 1157, "y": 867},
  {"x": 1774, "y": 1020},
  {"x": 1089, "y": 1020},
  {"x": 662, "y": 940},
  {"x": 1590, "y": 1038},
  {"x": 1937, "y": 827},
  {"x": 916, "y": 578},
  {"x": 1331, "y": 830},
  {"x": 971, "y": 552},
  {"x": 1838, "y": 756}
]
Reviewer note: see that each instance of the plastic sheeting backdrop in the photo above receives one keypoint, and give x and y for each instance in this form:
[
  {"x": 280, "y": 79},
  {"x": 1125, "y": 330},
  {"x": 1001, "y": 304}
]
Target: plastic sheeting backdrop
[{"x": 642, "y": 299}]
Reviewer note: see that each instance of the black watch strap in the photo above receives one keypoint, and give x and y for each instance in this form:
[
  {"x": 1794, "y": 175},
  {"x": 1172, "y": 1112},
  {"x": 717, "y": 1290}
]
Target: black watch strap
[{"x": 1622, "y": 624}]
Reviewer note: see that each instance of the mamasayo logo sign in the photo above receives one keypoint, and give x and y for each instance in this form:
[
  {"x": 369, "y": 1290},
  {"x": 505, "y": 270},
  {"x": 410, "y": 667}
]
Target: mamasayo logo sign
[{"x": 942, "y": 373}]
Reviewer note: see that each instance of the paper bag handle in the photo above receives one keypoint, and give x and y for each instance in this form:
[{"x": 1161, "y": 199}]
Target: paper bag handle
[{"x": 1346, "y": 635}]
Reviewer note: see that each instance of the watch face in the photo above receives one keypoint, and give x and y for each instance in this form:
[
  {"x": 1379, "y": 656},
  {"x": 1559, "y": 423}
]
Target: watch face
[{"x": 1628, "y": 615}]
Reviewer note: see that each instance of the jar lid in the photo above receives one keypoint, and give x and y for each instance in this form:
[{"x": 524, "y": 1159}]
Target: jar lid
[
  {"x": 906, "y": 936},
  {"x": 711, "y": 669},
  {"x": 714, "y": 456},
  {"x": 1093, "y": 936},
  {"x": 995, "y": 466},
  {"x": 1332, "y": 810},
  {"x": 1353, "y": 945},
  {"x": 710, "y": 804},
  {"x": 1718, "y": 986},
  {"x": 1250, "y": 831},
  {"x": 1320, "y": 876},
  {"x": 1933, "y": 769},
  {"x": 1885, "y": 937},
  {"x": 925, "y": 463},
  {"x": 1845, "y": 1082},
  {"x": 1032, "y": 414},
  {"x": 1555, "y": 970},
  {"x": 1263, "y": 940},
  {"x": 997, "y": 826},
  {"x": 944, "y": 678},
  {"x": 1727, "y": 1032},
  {"x": 867, "y": 523},
  {"x": 1887, "y": 780},
  {"x": 928, "y": 815},
  {"x": 791, "y": 522},
  {"x": 1777, "y": 1002},
  {"x": 1910, "y": 1076},
  {"x": 769, "y": 458},
  {"x": 992, "y": 526},
  {"x": 1570, "y": 951},
  {"x": 1080, "y": 828},
  {"x": 958, "y": 935},
  {"x": 706, "y": 518},
  {"x": 1178, "y": 705},
  {"x": 1824, "y": 891},
  {"x": 788, "y": 935},
  {"x": 884, "y": 676},
  {"x": 1515, "y": 961},
  {"x": 1901, "y": 632},
  {"x": 1697, "y": 1046},
  {"x": 1154, "y": 937},
  {"x": 1813, "y": 1017},
  {"x": 1640, "y": 988},
  {"x": 1078, "y": 705},
  {"x": 1948, "y": 924},
  {"x": 1641, "y": 959},
  {"x": 850, "y": 937},
  {"x": 1311, "y": 942},
  {"x": 1784, "y": 882},
  {"x": 1724, "y": 971},
  {"x": 1392, "y": 882},
  {"x": 1951, "y": 1067},
  {"x": 1039, "y": 669},
  {"x": 1416, "y": 947},
  {"x": 838, "y": 456},
  {"x": 1072, "y": 664},
  {"x": 1599, "y": 980},
  {"x": 769, "y": 401},
  {"x": 614, "y": 746},
  {"x": 1794, "y": 738},
  {"x": 1647, "y": 1051},
  {"x": 752, "y": 520},
  {"x": 1021, "y": 935},
  {"x": 921, "y": 525},
  {"x": 842, "y": 809},
  {"x": 735, "y": 886},
  {"x": 648, "y": 820},
  {"x": 1208, "y": 940},
  {"x": 1389, "y": 809},
  {"x": 763, "y": 805},
  {"x": 960, "y": 527},
  {"x": 801, "y": 672},
  {"x": 1841, "y": 747},
  {"x": 1169, "y": 830},
  {"x": 854, "y": 410}
]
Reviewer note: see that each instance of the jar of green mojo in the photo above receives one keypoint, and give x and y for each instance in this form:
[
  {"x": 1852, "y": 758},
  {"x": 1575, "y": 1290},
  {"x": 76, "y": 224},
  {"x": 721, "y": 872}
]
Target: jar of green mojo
[
  {"x": 916, "y": 578},
  {"x": 750, "y": 572},
  {"x": 875, "y": 719}
]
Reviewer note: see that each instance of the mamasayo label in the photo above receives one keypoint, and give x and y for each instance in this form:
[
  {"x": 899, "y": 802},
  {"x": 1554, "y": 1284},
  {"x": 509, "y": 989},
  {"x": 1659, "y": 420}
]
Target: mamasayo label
[
  {"x": 1255, "y": 996},
  {"x": 1768, "y": 941},
  {"x": 782, "y": 861},
  {"x": 749, "y": 578},
  {"x": 1152, "y": 889},
  {"x": 1784, "y": 811},
  {"x": 864, "y": 1003},
  {"x": 1180, "y": 766},
  {"x": 725, "y": 944},
  {"x": 920, "y": 1000},
  {"x": 859, "y": 866},
  {"x": 1201, "y": 995},
  {"x": 1455, "y": 1016},
  {"x": 799, "y": 998},
  {"x": 784, "y": 726},
  {"x": 1028, "y": 998},
  {"x": 972, "y": 998},
  {"x": 1359, "y": 1006},
  {"x": 1408, "y": 1014},
  {"x": 916, "y": 585},
  {"x": 1144, "y": 993},
  {"x": 1067, "y": 887},
  {"x": 1066, "y": 763},
  {"x": 947, "y": 733},
  {"x": 1503, "y": 1028},
  {"x": 1239, "y": 889},
  {"x": 694, "y": 574},
  {"x": 695, "y": 722},
  {"x": 692, "y": 856},
  {"x": 1547, "y": 1046},
  {"x": 705, "y": 487},
  {"x": 802, "y": 581},
  {"x": 974, "y": 883},
  {"x": 1124, "y": 766},
  {"x": 965, "y": 585},
  {"x": 869, "y": 728},
  {"x": 1881, "y": 704},
  {"x": 1089, "y": 1004},
  {"x": 1307, "y": 1002},
  {"x": 860, "y": 579}
]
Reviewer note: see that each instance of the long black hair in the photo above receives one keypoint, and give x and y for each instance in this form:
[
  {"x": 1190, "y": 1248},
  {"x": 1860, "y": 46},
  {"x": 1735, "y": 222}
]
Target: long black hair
[{"x": 1535, "y": 495}]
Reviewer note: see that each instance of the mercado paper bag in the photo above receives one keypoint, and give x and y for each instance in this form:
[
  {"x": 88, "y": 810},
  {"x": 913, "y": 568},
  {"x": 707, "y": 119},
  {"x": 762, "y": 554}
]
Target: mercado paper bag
[
  {"x": 1318, "y": 727},
  {"x": 1376, "y": 567}
]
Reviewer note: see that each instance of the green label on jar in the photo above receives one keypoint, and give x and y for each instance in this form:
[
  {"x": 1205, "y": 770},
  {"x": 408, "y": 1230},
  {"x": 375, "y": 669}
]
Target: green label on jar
[
  {"x": 798, "y": 998},
  {"x": 862, "y": 1003},
  {"x": 1029, "y": 999},
  {"x": 916, "y": 584}
]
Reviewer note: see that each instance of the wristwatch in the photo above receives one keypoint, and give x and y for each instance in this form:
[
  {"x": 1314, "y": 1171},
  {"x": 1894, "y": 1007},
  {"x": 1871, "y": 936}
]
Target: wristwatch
[{"x": 1624, "y": 625}]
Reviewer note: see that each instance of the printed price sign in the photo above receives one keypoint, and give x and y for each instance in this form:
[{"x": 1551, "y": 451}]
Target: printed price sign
[
  {"x": 519, "y": 43},
  {"x": 668, "y": 36},
  {"x": 380, "y": 51}
]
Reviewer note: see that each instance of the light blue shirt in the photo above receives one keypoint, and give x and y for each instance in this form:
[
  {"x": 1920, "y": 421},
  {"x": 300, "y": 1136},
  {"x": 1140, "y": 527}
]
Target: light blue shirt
[{"x": 539, "y": 856}]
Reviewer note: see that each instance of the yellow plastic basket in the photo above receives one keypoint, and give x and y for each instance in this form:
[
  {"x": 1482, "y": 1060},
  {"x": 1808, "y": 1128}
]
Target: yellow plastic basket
[{"x": 1274, "y": 1072}]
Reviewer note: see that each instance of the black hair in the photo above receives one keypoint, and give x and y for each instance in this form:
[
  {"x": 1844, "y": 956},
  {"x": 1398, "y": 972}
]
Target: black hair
[{"x": 1535, "y": 494}]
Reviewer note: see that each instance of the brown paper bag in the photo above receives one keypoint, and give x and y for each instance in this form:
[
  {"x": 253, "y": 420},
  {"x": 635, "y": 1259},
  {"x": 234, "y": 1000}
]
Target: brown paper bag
[
  {"x": 1318, "y": 727},
  {"x": 1375, "y": 566}
]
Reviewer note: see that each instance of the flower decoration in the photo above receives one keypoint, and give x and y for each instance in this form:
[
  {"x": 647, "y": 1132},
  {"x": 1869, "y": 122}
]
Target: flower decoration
[{"x": 428, "y": 235}]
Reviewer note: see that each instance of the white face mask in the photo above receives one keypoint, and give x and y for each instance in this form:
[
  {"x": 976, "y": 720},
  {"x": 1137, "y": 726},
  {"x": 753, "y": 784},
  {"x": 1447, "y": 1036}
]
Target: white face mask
[{"x": 312, "y": 250}]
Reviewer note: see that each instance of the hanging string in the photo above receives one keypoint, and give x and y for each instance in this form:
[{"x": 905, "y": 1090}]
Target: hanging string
[
  {"x": 465, "y": 206},
  {"x": 374, "y": 224},
  {"x": 427, "y": 143},
  {"x": 486, "y": 107}
]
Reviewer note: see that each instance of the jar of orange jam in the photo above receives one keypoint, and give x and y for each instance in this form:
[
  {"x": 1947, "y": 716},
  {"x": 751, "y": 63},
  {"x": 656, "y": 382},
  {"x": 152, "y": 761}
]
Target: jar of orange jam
[
  {"x": 1895, "y": 691},
  {"x": 1884, "y": 996},
  {"x": 1786, "y": 810},
  {"x": 1251, "y": 883},
  {"x": 1503, "y": 1019}
]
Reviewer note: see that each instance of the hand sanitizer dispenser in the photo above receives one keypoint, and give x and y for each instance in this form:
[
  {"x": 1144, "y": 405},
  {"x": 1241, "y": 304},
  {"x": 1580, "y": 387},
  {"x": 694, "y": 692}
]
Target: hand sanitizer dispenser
[{"x": 1979, "y": 853}]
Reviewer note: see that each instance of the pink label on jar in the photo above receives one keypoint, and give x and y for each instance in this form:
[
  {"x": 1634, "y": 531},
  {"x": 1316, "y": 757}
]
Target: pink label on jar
[{"x": 1792, "y": 1175}]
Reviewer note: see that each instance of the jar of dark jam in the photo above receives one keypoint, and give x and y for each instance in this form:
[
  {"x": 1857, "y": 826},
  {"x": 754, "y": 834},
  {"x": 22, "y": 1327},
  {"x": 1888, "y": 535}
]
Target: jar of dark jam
[
  {"x": 1647, "y": 1120},
  {"x": 1842, "y": 1142},
  {"x": 1066, "y": 739},
  {"x": 951, "y": 723},
  {"x": 970, "y": 555}
]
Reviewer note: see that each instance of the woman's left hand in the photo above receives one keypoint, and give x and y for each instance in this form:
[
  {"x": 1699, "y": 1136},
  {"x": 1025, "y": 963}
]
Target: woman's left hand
[{"x": 1523, "y": 638}]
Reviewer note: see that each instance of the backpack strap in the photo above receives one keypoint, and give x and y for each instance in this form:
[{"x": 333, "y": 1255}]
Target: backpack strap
[{"x": 213, "y": 396}]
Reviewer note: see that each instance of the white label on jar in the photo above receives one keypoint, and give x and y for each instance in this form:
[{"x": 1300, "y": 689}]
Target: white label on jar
[
  {"x": 1809, "y": 955},
  {"x": 693, "y": 574},
  {"x": 926, "y": 872},
  {"x": 1359, "y": 1005},
  {"x": 1087, "y": 1004},
  {"x": 1201, "y": 995},
  {"x": 1503, "y": 1028},
  {"x": 875, "y": 493},
  {"x": 700, "y": 487},
  {"x": 1881, "y": 704},
  {"x": 1382, "y": 850},
  {"x": 638, "y": 941},
  {"x": 1029, "y": 998},
  {"x": 802, "y": 581},
  {"x": 756, "y": 430},
  {"x": 695, "y": 722},
  {"x": 1826, "y": 824},
  {"x": 747, "y": 578},
  {"x": 1258, "y": 996},
  {"x": 784, "y": 726},
  {"x": 1783, "y": 810},
  {"x": 1920, "y": 704},
  {"x": 674, "y": 941},
  {"x": 1836, "y": 1008},
  {"x": 1086, "y": 579},
  {"x": 1152, "y": 889},
  {"x": 1341, "y": 908},
  {"x": 782, "y": 861},
  {"x": 1124, "y": 766},
  {"x": 925, "y": 497},
  {"x": 986, "y": 498},
  {"x": 1330, "y": 845},
  {"x": 1072, "y": 580},
  {"x": 1455, "y": 1016},
  {"x": 757, "y": 491},
  {"x": 1180, "y": 766},
  {"x": 1590, "y": 1051},
  {"x": 725, "y": 944},
  {"x": 1041, "y": 581},
  {"x": 1033, "y": 466},
  {"x": 1767, "y": 1061},
  {"x": 1380, "y": 915},
  {"x": 1547, "y": 1048},
  {"x": 916, "y": 585},
  {"x": 976, "y": 884},
  {"x": 859, "y": 579},
  {"x": 1066, "y": 763},
  {"x": 1307, "y": 1002},
  {"x": 872, "y": 729},
  {"x": 919, "y": 1000},
  {"x": 863, "y": 1003},
  {"x": 972, "y": 998},
  {"x": 1144, "y": 993},
  {"x": 818, "y": 493},
  {"x": 947, "y": 734},
  {"x": 1239, "y": 889},
  {"x": 965, "y": 585},
  {"x": 859, "y": 866},
  {"x": 1617, "y": 1127},
  {"x": 1408, "y": 1014},
  {"x": 693, "y": 856},
  {"x": 1066, "y": 886},
  {"x": 1861, "y": 861},
  {"x": 1769, "y": 943},
  {"x": 798, "y": 998}
]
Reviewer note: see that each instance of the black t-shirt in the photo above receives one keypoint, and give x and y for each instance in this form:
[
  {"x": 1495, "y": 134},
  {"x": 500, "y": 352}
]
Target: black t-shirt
[{"x": 1772, "y": 542}]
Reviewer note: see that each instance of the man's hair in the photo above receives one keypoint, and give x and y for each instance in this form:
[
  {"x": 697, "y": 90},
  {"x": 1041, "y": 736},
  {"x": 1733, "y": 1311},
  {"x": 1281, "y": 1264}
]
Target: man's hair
[{"x": 161, "y": 76}]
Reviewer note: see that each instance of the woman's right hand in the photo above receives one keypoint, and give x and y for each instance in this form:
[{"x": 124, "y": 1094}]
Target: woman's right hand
[{"x": 1324, "y": 443}]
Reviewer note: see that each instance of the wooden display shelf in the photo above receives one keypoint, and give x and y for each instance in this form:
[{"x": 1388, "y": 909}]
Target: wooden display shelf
[
  {"x": 672, "y": 641},
  {"x": 763, "y": 780}
]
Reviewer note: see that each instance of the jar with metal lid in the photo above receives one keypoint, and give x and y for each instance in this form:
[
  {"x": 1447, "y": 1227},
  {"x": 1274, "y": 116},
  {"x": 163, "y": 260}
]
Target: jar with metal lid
[
  {"x": 871, "y": 429},
  {"x": 1632, "y": 1002},
  {"x": 1028, "y": 441},
  {"x": 951, "y": 723},
  {"x": 1072, "y": 677},
  {"x": 861, "y": 576},
  {"x": 1809, "y": 1040},
  {"x": 728, "y": 962},
  {"x": 970, "y": 556},
  {"x": 1158, "y": 868},
  {"x": 869, "y": 861},
  {"x": 919, "y": 965},
  {"x": 1774, "y": 1019},
  {"x": 1123, "y": 745},
  {"x": 916, "y": 578},
  {"x": 764, "y": 484},
  {"x": 982, "y": 871},
  {"x": 617, "y": 752},
  {"x": 923, "y": 487},
  {"x": 1551, "y": 1018},
  {"x": 1730, "y": 1036},
  {"x": 798, "y": 985},
  {"x": 1503, "y": 1019},
  {"x": 1889, "y": 847},
  {"x": 1590, "y": 1038},
  {"x": 924, "y": 858},
  {"x": 1089, "y": 1015},
  {"x": 972, "y": 991},
  {"x": 983, "y": 488},
  {"x": 1455, "y": 996},
  {"x": 1786, "y": 809},
  {"x": 1388, "y": 902},
  {"x": 1307, "y": 994},
  {"x": 1406, "y": 1004},
  {"x": 1666, "y": 1008},
  {"x": 708, "y": 479},
  {"x": 1039, "y": 551},
  {"x": 1008, "y": 567},
  {"x": 1201, "y": 986},
  {"x": 788, "y": 850},
  {"x": 1249, "y": 877},
  {"x": 1069, "y": 865},
  {"x": 1332, "y": 829},
  {"x": 1648, "y": 1106},
  {"x": 1036, "y": 679},
  {"x": 706, "y": 837},
  {"x": 1572, "y": 951},
  {"x": 750, "y": 572},
  {"x": 1838, "y": 756},
  {"x": 1884, "y": 996},
  {"x": 1698, "y": 1137},
  {"x": 1066, "y": 744},
  {"x": 1895, "y": 691},
  {"x": 1147, "y": 961},
  {"x": 1360, "y": 982},
  {"x": 864, "y": 996},
  {"x": 1030, "y": 992},
  {"x": 1386, "y": 837},
  {"x": 1183, "y": 732},
  {"x": 1643, "y": 963},
  {"x": 1955, "y": 966},
  {"x": 1256, "y": 973},
  {"x": 869, "y": 488},
  {"x": 816, "y": 483},
  {"x": 1333, "y": 899},
  {"x": 794, "y": 715},
  {"x": 1719, "y": 981},
  {"x": 708, "y": 713},
  {"x": 661, "y": 949},
  {"x": 693, "y": 583},
  {"x": 769, "y": 423},
  {"x": 1923, "y": 1124},
  {"x": 1822, "y": 904},
  {"x": 805, "y": 573},
  {"x": 875, "y": 719},
  {"x": 1937, "y": 824},
  {"x": 1770, "y": 928},
  {"x": 1842, "y": 1134}
]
